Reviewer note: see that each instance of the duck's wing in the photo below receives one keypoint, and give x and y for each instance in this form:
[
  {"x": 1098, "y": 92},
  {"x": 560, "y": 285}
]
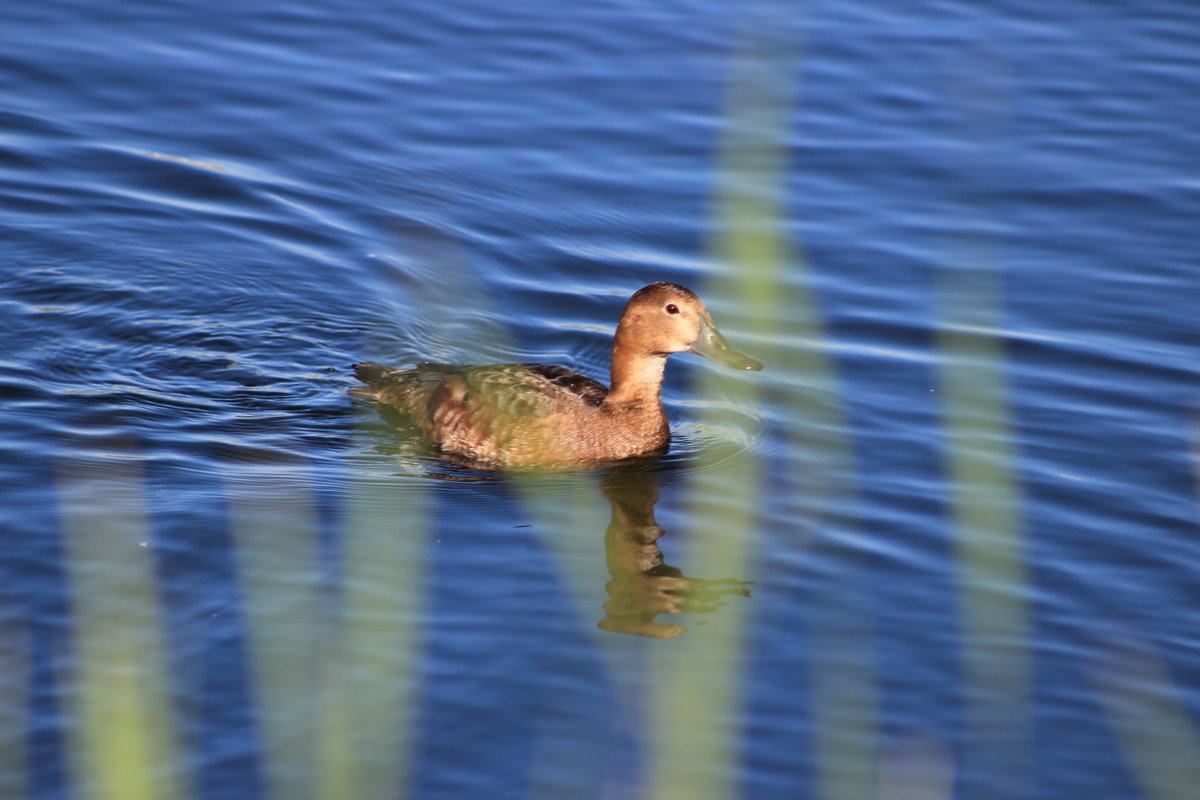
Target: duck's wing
[
  {"x": 515, "y": 390},
  {"x": 512, "y": 389},
  {"x": 590, "y": 391},
  {"x": 491, "y": 413}
]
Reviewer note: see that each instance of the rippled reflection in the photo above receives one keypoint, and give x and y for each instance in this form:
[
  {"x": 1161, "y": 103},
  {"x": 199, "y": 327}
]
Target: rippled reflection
[{"x": 643, "y": 585}]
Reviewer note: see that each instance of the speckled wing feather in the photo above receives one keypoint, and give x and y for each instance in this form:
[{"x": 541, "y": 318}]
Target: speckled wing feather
[
  {"x": 590, "y": 391},
  {"x": 486, "y": 410}
]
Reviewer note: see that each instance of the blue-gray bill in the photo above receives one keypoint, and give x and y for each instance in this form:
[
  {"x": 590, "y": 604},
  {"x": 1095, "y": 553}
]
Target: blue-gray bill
[{"x": 711, "y": 344}]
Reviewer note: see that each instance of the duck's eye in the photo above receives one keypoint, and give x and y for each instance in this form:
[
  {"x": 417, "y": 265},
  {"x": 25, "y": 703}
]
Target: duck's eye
[{"x": 672, "y": 308}]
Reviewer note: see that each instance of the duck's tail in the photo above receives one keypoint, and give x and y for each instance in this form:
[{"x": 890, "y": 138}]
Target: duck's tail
[
  {"x": 406, "y": 389},
  {"x": 370, "y": 373}
]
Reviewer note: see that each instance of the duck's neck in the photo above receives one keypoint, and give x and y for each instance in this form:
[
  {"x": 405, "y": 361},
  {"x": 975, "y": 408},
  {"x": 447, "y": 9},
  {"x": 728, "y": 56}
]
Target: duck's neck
[{"x": 636, "y": 377}]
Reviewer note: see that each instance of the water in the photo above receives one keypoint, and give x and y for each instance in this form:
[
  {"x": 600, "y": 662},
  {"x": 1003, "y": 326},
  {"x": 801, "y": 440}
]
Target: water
[{"x": 960, "y": 237}]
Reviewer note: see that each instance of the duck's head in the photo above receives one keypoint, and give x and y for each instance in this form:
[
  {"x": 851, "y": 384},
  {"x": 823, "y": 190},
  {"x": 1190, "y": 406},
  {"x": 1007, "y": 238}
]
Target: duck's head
[{"x": 665, "y": 318}]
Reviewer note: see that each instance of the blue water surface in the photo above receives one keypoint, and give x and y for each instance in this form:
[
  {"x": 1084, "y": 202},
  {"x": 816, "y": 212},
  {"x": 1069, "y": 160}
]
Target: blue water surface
[{"x": 943, "y": 546}]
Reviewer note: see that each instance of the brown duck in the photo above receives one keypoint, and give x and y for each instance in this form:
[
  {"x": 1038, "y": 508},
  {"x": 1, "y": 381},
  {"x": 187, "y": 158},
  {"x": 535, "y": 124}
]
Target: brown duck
[{"x": 523, "y": 415}]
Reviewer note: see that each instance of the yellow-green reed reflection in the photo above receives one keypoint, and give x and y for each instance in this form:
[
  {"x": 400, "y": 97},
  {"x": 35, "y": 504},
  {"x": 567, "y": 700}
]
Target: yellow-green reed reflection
[
  {"x": 333, "y": 680},
  {"x": 124, "y": 740},
  {"x": 697, "y": 728},
  {"x": 371, "y": 674},
  {"x": 1149, "y": 715},
  {"x": 274, "y": 521},
  {"x": 985, "y": 498}
]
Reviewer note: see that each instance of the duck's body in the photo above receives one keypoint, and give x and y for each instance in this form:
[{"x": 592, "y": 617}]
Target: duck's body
[{"x": 519, "y": 415}]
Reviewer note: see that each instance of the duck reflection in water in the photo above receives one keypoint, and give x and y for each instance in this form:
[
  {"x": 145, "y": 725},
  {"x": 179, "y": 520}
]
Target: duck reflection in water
[{"x": 643, "y": 585}]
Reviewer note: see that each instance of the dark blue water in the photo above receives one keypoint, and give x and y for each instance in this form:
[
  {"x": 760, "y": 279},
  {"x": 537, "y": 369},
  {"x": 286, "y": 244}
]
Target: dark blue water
[{"x": 943, "y": 546}]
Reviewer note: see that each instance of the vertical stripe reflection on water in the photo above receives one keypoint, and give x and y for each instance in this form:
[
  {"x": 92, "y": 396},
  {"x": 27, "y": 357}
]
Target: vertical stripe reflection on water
[{"x": 123, "y": 736}]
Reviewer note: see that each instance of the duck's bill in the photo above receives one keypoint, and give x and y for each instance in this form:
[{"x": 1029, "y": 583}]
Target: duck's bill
[{"x": 711, "y": 344}]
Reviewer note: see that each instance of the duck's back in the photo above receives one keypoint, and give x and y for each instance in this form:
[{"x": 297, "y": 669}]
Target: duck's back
[{"x": 501, "y": 413}]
